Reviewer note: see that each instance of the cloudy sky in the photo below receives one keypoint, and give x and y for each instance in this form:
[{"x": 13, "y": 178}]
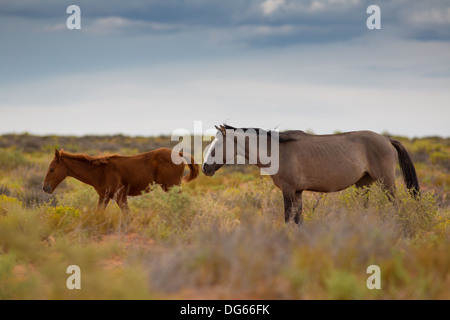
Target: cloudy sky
[{"x": 149, "y": 67}]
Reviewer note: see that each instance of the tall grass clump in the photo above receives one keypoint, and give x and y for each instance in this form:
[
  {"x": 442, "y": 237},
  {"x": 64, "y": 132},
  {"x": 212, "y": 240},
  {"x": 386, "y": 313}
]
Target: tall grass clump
[
  {"x": 31, "y": 178},
  {"x": 241, "y": 261},
  {"x": 11, "y": 159},
  {"x": 164, "y": 214},
  {"x": 413, "y": 215},
  {"x": 20, "y": 232},
  {"x": 33, "y": 267}
]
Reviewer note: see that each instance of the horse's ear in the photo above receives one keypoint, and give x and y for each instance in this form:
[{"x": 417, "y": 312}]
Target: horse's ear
[
  {"x": 224, "y": 130},
  {"x": 57, "y": 155},
  {"x": 221, "y": 129}
]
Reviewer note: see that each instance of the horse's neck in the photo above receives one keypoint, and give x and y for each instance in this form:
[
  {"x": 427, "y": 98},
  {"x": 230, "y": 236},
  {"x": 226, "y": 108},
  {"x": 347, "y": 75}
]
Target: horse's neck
[
  {"x": 82, "y": 170},
  {"x": 263, "y": 149}
]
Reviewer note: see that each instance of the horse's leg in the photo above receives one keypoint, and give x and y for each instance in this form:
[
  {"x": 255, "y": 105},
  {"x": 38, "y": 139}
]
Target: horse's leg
[
  {"x": 298, "y": 207},
  {"x": 361, "y": 184},
  {"x": 292, "y": 205},
  {"x": 121, "y": 199},
  {"x": 387, "y": 179},
  {"x": 120, "y": 196},
  {"x": 389, "y": 187},
  {"x": 102, "y": 202},
  {"x": 366, "y": 180},
  {"x": 288, "y": 199},
  {"x": 123, "y": 205}
]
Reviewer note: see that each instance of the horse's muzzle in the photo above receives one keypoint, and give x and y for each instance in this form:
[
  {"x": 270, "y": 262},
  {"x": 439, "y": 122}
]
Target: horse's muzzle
[
  {"x": 208, "y": 170},
  {"x": 48, "y": 189}
]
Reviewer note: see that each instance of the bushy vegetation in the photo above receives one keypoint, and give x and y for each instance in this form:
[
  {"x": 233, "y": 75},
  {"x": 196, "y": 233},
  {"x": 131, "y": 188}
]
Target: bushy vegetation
[{"x": 221, "y": 237}]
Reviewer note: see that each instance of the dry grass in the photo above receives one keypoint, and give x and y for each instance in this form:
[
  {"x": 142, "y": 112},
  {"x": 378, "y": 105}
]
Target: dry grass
[{"x": 222, "y": 238}]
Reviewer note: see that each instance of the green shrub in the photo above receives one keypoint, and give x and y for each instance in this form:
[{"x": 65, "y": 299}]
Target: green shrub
[
  {"x": 441, "y": 158},
  {"x": 11, "y": 159},
  {"x": 62, "y": 215},
  {"x": 167, "y": 213}
]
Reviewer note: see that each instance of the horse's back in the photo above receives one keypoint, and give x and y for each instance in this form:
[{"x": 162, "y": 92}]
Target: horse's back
[
  {"x": 377, "y": 149},
  {"x": 366, "y": 147},
  {"x": 138, "y": 171},
  {"x": 350, "y": 142},
  {"x": 334, "y": 162}
]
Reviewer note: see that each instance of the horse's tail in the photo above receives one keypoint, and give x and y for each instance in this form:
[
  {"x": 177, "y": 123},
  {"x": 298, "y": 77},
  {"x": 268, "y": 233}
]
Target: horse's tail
[
  {"x": 407, "y": 167},
  {"x": 194, "y": 169}
]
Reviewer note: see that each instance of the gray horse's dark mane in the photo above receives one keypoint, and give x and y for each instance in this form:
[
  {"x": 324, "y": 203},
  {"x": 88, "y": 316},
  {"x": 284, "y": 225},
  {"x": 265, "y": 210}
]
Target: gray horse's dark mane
[{"x": 285, "y": 136}]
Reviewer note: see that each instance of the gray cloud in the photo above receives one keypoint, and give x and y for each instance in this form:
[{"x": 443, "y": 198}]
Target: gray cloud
[
  {"x": 223, "y": 60},
  {"x": 254, "y": 22}
]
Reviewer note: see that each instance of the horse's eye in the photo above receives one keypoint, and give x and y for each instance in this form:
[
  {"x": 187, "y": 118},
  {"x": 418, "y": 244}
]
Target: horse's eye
[{"x": 52, "y": 169}]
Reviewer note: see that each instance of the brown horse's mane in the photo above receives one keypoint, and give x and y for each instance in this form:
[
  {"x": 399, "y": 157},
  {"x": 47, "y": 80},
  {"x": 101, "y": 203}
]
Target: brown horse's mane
[{"x": 97, "y": 160}]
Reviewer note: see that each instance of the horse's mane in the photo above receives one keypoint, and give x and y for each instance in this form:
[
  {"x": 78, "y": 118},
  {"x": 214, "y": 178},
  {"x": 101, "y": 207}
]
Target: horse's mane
[
  {"x": 284, "y": 136},
  {"x": 97, "y": 160}
]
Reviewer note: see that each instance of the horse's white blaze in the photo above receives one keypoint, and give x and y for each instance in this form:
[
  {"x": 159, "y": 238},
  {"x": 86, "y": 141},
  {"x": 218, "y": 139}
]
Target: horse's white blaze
[{"x": 208, "y": 157}]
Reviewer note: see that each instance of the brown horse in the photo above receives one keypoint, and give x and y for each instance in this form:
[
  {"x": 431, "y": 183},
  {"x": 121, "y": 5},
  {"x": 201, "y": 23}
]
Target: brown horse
[
  {"x": 323, "y": 163},
  {"x": 116, "y": 177}
]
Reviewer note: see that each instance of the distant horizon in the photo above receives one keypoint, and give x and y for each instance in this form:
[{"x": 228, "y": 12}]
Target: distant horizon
[{"x": 169, "y": 134}]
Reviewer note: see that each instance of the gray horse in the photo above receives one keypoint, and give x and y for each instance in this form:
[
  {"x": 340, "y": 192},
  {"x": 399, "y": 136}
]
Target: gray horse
[{"x": 322, "y": 163}]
